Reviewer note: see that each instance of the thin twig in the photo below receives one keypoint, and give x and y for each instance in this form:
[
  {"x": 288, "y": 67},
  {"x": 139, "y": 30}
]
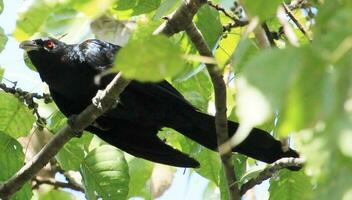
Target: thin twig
[
  {"x": 220, "y": 104},
  {"x": 51, "y": 181},
  {"x": 28, "y": 99},
  {"x": 297, "y": 23},
  {"x": 270, "y": 170}
]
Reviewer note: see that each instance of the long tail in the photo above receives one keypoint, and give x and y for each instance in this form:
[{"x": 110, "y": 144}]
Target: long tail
[{"x": 259, "y": 144}]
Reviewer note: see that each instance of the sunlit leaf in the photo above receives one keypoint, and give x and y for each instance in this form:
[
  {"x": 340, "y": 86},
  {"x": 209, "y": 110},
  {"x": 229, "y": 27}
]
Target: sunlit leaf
[
  {"x": 1, "y": 6},
  {"x": 56, "y": 195},
  {"x": 165, "y": 7},
  {"x": 290, "y": 185},
  {"x": 156, "y": 58},
  {"x": 208, "y": 22},
  {"x": 262, "y": 9},
  {"x": 139, "y": 176},
  {"x": 15, "y": 118},
  {"x": 12, "y": 159},
  {"x": 3, "y": 39},
  {"x": 72, "y": 154},
  {"x": 105, "y": 173}
]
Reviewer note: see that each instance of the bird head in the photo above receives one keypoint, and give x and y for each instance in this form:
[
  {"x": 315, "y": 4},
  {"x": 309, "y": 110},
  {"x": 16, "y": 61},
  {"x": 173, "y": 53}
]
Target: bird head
[{"x": 48, "y": 45}]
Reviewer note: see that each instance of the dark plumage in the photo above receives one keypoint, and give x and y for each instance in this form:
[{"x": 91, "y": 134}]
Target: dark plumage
[{"x": 144, "y": 108}]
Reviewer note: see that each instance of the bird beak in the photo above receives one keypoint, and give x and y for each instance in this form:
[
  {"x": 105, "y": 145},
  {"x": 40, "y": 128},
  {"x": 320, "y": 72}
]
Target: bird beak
[{"x": 29, "y": 45}]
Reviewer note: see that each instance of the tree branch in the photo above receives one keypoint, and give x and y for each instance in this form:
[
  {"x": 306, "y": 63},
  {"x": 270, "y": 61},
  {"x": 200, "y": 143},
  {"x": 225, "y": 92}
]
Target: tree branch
[
  {"x": 220, "y": 104},
  {"x": 78, "y": 124},
  {"x": 179, "y": 19},
  {"x": 270, "y": 170},
  {"x": 51, "y": 181}
]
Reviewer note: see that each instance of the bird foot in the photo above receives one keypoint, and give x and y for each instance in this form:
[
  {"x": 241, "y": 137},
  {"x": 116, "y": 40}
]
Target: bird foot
[
  {"x": 97, "y": 99},
  {"x": 71, "y": 120}
]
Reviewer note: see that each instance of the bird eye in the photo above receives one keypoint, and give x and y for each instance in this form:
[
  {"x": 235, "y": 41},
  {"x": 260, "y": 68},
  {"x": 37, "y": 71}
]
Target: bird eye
[{"x": 49, "y": 44}]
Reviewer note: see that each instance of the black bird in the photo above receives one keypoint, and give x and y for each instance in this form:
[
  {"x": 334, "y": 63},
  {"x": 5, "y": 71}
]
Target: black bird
[{"x": 143, "y": 109}]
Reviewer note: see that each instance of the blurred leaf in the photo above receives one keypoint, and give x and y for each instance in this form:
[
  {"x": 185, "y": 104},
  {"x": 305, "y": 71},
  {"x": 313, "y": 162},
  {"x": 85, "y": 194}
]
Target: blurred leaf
[
  {"x": 15, "y": 118},
  {"x": 145, "y": 6},
  {"x": 12, "y": 159},
  {"x": 28, "y": 62},
  {"x": 208, "y": 21},
  {"x": 262, "y": 9},
  {"x": 105, "y": 173},
  {"x": 68, "y": 22},
  {"x": 30, "y": 20},
  {"x": 140, "y": 171},
  {"x": 157, "y": 58},
  {"x": 2, "y": 71},
  {"x": 290, "y": 185},
  {"x": 125, "y": 4},
  {"x": 34, "y": 17},
  {"x": 72, "y": 154},
  {"x": 166, "y": 6},
  {"x": 3, "y": 39},
  {"x": 306, "y": 95},
  {"x": 56, "y": 195},
  {"x": 1, "y": 6},
  {"x": 245, "y": 50}
]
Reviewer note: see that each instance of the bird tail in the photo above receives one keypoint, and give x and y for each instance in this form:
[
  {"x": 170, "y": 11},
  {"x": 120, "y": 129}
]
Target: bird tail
[{"x": 259, "y": 144}]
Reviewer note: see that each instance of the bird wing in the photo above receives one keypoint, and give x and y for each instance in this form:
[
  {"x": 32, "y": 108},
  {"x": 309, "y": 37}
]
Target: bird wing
[{"x": 98, "y": 54}]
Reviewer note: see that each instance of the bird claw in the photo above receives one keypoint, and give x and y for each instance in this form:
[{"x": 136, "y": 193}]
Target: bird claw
[
  {"x": 97, "y": 99},
  {"x": 70, "y": 122}
]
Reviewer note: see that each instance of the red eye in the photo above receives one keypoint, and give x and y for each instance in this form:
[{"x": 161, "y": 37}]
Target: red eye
[{"x": 49, "y": 44}]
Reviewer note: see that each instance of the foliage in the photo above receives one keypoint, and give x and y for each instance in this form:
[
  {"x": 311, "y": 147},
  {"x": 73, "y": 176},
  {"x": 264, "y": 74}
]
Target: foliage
[{"x": 304, "y": 93}]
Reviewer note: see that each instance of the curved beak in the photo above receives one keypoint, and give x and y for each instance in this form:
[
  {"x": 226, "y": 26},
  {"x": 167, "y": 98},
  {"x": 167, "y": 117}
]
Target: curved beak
[{"x": 29, "y": 45}]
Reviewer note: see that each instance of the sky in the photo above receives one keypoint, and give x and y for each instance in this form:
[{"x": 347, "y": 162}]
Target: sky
[{"x": 184, "y": 186}]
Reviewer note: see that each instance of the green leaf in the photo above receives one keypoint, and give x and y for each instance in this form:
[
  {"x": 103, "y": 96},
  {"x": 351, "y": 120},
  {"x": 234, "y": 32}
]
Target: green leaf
[
  {"x": 156, "y": 58},
  {"x": 35, "y": 17},
  {"x": 197, "y": 89},
  {"x": 145, "y": 6},
  {"x": 210, "y": 165},
  {"x": 290, "y": 185},
  {"x": 2, "y": 71},
  {"x": 140, "y": 171},
  {"x": 165, "y": 8},
  {"x": 56, "y": 121},
  {"x": 72, "y": 154},
  {"x": 56, "y": 195},
  {"x": 208, "y": 22},
  {"x": 15, "y": 118},
  {"x": 223, "y": 185},
  {"x": 28, "y": 62},
  {"x": 67, "y": 21},
  {"x": 245, "y": 50},
  {"x": 105, "y": 173},
  {"x": 262, "y": 9},
  {"x": 125, "y": 4},
  {"x": 1, "y": 6},
  {"x": 30, "y": 20},
  {"x": 12, "y": 159},
  {"x": 3, "y": 39}
]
